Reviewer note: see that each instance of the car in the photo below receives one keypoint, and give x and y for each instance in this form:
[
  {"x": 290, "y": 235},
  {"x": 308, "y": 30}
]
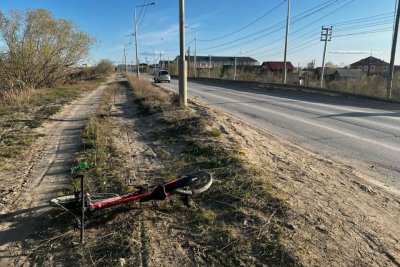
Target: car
[{"x": 162, "y": 76}]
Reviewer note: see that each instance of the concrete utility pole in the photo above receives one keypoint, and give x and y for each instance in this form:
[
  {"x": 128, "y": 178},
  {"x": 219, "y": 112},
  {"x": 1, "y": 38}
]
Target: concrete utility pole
[
  {"x": 136, "y": 40},
  {"x": 393, "y": 53},
  {"x": 326, "y": 36},
  {"x": 195, "y": 51},
  {"x": 136, "y": 48},
  {"x": 195, "y": 55},
  {"x": 126, "y": 70},
  {"x": 188, "y": 61},
  {"x": 234, "y": 73},
  {"x": 182, "y": 65},
  {"x": 286, "y": 42},
  {"x": 209, "y": 68}
]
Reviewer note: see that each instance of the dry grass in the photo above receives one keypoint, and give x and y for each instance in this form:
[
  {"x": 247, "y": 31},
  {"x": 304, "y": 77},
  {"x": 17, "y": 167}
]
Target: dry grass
[
  {"x": 237, "y": 222},
  {"x": 240, "y": 216},
  {"x": 22, "y": 112}
]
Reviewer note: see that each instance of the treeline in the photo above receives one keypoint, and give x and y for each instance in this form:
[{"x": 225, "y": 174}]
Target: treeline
[{"x": 38, "y": 50}]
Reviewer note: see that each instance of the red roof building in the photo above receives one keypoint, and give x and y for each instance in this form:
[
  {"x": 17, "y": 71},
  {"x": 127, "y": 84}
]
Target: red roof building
[{"x": 277, "y": 66}]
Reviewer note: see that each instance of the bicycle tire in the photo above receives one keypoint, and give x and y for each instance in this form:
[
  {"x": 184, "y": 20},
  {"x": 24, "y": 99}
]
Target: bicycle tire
[
  {"x": 195, "y": 191},
  {"x": 71, "y": 199}
]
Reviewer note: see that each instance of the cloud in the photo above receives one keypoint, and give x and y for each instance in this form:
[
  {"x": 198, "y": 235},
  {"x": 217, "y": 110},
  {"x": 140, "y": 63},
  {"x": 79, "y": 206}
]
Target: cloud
[{"x": 352, "y": 52}]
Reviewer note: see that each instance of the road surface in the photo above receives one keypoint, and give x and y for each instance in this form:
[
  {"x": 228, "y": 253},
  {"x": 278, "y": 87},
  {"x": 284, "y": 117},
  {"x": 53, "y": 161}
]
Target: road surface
[{"x": 362, "y": 133}]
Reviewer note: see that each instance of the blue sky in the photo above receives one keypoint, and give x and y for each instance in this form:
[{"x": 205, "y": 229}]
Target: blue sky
[{"x": 111, "y": 22}]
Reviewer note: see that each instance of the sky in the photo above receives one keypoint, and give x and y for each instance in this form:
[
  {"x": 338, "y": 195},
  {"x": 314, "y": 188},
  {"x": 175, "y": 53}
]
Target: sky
[{"x": 254, "y": 28}]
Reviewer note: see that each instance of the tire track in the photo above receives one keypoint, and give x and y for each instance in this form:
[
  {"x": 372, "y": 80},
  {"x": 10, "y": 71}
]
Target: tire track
[{"x": 46, "y": 173}]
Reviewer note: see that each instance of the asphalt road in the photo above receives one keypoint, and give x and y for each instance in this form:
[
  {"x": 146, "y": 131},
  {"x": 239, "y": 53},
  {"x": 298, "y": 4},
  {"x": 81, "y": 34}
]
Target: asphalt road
[{"x": 362, "y": 133}]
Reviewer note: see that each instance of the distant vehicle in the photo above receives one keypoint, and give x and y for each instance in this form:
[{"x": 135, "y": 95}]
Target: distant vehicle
[{"x": 162, "y": 76}]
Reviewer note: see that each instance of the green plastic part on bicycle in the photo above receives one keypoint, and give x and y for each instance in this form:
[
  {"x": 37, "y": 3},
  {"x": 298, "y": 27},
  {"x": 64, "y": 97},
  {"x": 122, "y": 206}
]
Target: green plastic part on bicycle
[{"x": 81, "y": 166}]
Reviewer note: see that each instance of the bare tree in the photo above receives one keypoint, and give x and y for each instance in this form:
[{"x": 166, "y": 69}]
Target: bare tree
[{"x": 38, "y": 50}]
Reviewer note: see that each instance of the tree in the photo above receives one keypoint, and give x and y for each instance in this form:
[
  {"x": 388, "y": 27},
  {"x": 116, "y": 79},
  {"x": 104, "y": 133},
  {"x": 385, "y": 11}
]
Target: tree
[{"x": 38, "y": 50}]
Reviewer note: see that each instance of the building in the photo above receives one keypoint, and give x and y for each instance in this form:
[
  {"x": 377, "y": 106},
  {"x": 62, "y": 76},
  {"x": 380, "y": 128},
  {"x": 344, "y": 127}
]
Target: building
[
  {"x": 218, "y": 61},
  {"x": 343, "y": 74},
  {"x": 372, "y": 66},
  {"x": 277, "y": 66}
]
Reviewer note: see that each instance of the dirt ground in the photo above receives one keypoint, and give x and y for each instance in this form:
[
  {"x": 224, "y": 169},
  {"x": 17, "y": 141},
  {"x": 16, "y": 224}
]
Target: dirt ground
[
  {"x": 39, "y": 174},
  {"x": 335, "y": 217}
]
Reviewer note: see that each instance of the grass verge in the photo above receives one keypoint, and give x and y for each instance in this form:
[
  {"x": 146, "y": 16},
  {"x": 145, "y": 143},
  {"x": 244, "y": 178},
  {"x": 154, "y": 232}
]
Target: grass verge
[{"x": 237, "y": 222}]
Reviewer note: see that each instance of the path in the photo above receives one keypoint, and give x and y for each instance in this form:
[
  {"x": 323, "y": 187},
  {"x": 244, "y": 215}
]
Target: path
[{"x": 48, "y": 172}]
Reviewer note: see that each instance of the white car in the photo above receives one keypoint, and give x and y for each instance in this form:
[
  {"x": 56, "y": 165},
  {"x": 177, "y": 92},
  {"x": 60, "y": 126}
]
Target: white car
[{"x": 162, "y": 76}]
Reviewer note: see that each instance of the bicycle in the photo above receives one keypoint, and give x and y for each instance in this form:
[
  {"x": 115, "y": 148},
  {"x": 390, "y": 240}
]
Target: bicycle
[{"x": 184, "y": 186}]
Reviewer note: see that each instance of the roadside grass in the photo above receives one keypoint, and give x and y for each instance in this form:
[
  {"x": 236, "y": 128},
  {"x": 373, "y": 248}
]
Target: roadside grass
[
  {"x": 238, "y": 221},
  {"x": 21, "y": 114}
]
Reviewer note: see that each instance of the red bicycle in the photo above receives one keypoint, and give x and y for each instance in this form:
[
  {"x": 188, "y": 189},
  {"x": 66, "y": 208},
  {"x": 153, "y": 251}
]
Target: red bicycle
[{"x": 186, "y": 186}]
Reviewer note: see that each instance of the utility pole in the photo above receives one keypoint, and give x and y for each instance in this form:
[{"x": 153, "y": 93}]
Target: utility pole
[
  {"x": 136, "y": 39},
  {"x": 286, "y": 43},
  {"x": 393, "y": 53},
  {"x": 234, "y": 73},
  {"x": 326, "y": 36},
  {"x": 126, "y": 70},
  {"x": 209, "y": 68},
  {"x": 136, "y": 48},
  {"x": 182, "y": 66},
  {"x": 161, "y": 61},
  {"x": 189, "y": 61},
  {"x": 195, "y": 54},
  {"x": 169, "y": 64}
]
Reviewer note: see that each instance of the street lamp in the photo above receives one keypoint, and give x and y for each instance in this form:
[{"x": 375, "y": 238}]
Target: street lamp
[
  {"x": 169, "y": 68},
  {"x": 136, "y": 39},
  {"x": 126, "y": 70},
  {"x": 195, "y": 49}
]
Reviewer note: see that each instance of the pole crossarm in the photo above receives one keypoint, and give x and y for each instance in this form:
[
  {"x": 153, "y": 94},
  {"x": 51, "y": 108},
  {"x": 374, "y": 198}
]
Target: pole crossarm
[{"x": 326, "y": 36}]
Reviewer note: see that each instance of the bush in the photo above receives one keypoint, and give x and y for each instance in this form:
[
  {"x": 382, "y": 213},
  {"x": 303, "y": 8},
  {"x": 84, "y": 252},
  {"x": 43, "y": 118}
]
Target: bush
[
  {"x": 104, "y": 66},
  {"x": 38, "y": 50}
]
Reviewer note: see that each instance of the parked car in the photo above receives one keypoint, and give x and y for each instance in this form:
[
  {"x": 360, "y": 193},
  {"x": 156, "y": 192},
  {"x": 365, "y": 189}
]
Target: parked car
[{"x": 162, "y": 76}]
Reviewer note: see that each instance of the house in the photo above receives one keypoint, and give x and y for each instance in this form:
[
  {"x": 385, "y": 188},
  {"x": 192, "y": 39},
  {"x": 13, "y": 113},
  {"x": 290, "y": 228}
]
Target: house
[
  {"x": 277, "y": 66},
  {"x": 327, "y": 72},
  {"x": 372, "y": 66},
  {"x": 219, "y": 61},
  {"x": 341, "y": 74}
]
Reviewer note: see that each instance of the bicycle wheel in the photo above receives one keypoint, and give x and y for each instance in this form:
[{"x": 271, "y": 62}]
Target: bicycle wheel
[
  {"x": 71, "y": 200},
  {"x": 199, "y": 183}
]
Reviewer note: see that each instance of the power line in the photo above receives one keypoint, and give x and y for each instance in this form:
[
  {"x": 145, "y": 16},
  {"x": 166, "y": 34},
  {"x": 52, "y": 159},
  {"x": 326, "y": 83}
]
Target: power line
[
  {"x": 145, "y": 11},
  {"x": 294, "y": 20},
  {"x": 246, "y": 26},
  {"x": 347, "y": 2},
  {"x": 365, "y": 32}
]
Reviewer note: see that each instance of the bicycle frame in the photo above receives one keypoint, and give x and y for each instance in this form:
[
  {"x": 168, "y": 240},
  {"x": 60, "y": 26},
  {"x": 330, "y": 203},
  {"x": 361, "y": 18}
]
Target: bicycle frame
[{"x": 159, "y": 192}]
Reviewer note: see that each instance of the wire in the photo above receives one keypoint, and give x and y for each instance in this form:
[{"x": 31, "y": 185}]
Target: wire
[
  {"x": 347, "y": 2},
  {"x": 145, "y": 11},
  {"x": 141, "y": 9},
  {"x": 364, "y": 32},
  {"x": 246, "y": 26},
  {"x": 326, "y": 5}
]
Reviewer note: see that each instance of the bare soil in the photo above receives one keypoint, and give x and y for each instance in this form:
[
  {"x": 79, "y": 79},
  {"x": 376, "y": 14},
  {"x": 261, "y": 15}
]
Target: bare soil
[{"x": 336, "y": 218}]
